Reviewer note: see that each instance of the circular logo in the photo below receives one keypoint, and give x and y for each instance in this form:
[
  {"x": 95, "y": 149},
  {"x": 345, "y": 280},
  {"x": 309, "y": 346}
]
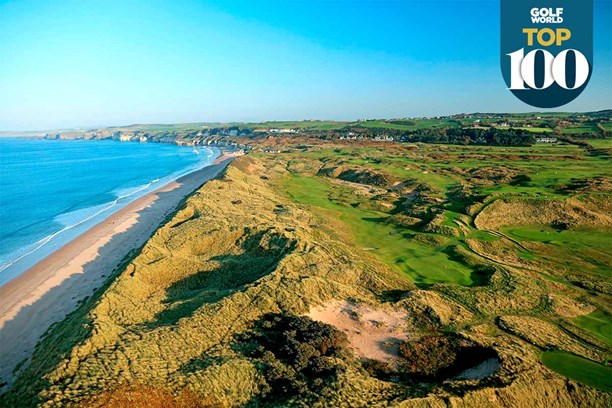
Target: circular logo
[{"x": 546, "y": 49}]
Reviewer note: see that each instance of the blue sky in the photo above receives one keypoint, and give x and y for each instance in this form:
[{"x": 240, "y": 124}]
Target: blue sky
[{"x": 95, "y": 63}]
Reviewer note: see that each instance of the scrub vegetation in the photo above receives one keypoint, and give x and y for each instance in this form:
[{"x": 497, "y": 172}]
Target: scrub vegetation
[{"x": 484, "y": 271}]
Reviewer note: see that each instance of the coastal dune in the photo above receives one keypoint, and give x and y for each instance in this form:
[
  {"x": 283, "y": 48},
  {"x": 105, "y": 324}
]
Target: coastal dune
[{"x": 51, "y": 289}]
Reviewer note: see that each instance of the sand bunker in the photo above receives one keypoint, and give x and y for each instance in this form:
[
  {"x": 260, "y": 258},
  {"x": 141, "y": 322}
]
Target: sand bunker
[
  {"x": 482, "y": 370},
  {"x": 372, "y": 333}
]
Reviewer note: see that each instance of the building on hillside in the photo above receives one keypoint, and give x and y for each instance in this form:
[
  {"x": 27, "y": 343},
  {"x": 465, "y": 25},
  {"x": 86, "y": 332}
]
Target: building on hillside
[
  {"x": 384, "y": 138},
  {"x": 282, "y": 130}
]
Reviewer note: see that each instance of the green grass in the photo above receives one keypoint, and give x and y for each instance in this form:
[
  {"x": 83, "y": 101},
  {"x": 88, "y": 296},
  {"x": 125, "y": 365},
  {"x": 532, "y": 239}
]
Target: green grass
[
  {"x": 534, "y": 129},
  {"x": 549, "y": 167},
  {"x": 176, "y": 312},
  {"x": 418, "y": 124},
  {"x": 314, "y": 125},
  {"x": 580, "y": 369},
  {"x": 400, "y": 167},
  {"x": 482, "y": 235},
  {"x": 334, "y": 125},
  {"x": 424, "y": 263},
  {"x": 584, "y": 128},
  {"x": 385, "y": 125},
  {"x": 547, "y": 175},
  {"x": 582, "y": 250},
  {"x": 526, "y": 255},
  {"x": 601, "y": 143},
  {"x": 598, "y": 323},
  {"x": 450, "y": 217}
]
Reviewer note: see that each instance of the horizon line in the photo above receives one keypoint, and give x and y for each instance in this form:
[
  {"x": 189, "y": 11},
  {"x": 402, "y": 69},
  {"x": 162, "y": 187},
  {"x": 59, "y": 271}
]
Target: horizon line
[{"x": 89, "y": 128}]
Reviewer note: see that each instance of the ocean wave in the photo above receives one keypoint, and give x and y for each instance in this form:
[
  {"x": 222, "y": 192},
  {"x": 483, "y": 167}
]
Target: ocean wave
[{"x": 102, "y": 209}]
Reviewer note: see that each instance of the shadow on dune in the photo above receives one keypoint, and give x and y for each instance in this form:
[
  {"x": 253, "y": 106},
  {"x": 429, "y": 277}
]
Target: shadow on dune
[{"x": 262, "y": 251}]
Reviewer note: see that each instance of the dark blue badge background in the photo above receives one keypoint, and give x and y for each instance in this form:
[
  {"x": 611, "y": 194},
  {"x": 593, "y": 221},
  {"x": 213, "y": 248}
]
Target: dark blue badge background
[{"x": 516, "y": 15}]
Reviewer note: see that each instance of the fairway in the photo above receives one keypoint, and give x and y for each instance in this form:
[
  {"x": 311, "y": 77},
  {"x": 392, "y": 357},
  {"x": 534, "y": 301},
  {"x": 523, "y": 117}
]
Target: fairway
[
  {"x": 580, "y": 369},
  {"x": 544, "y": 168},
  {"x": 568, "y": 247},
  {"x": 598, "y": 323},
  {"x": 425, "y": 264}
]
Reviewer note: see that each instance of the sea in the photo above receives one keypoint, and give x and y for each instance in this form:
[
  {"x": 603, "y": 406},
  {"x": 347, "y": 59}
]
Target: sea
[{"x": 52, "y": 191}]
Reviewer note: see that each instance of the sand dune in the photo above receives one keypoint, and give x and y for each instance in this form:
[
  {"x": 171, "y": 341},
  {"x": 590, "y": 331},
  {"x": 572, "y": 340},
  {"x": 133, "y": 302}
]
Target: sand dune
[{"x": 51, "y": 289}]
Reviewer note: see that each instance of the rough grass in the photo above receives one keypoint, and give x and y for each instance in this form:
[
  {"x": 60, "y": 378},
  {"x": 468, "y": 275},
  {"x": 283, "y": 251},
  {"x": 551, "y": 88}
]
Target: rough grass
[
  {"x": 585, "y": 212},
  {"x": 512, "y": 264},
  {"x": 170, "y": 317}
]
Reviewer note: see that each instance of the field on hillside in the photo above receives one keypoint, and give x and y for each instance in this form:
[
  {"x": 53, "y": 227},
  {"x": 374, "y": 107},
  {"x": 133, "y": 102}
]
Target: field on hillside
[
  {"x": 482, "y": 272},
  {"x": 474, "y": 129},
  {"x": 601, "y": 143}
]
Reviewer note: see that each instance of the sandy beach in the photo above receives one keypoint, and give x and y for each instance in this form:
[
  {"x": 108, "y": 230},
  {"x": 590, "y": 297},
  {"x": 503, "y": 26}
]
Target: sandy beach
[{"x": 52, "y": 288}]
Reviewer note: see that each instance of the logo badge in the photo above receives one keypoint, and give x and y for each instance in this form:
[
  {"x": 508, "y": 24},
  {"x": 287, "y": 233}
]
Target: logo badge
[{"x": 546, "y": 49}]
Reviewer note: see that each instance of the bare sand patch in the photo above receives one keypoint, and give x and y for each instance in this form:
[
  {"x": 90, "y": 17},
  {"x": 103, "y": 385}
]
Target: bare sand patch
[{"x": 374, "y": 333}]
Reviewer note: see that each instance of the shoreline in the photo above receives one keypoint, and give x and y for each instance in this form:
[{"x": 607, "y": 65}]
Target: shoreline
[
  {"x": 52, "y": 288},
  {"x": 23, "y": 255}
]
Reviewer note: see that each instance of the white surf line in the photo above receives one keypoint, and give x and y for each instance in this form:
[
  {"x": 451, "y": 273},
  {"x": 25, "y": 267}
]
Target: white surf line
[{"x": 48, "y": 238}]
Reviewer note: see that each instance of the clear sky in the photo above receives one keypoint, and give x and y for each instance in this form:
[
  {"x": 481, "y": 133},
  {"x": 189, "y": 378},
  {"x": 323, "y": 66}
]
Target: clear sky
[{"x": 114, "y": 62}]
